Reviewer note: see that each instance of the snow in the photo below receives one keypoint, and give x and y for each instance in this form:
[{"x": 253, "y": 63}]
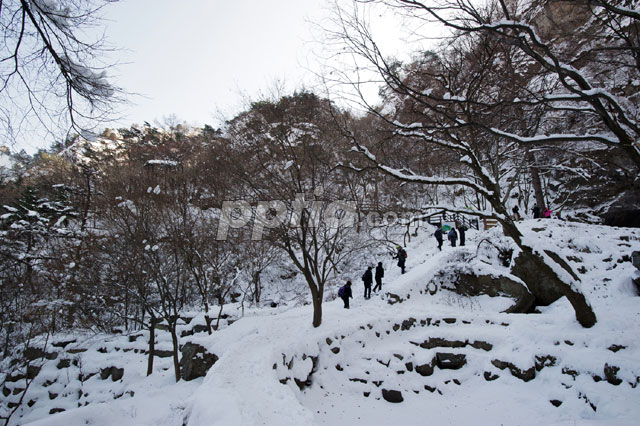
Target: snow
[{"x": 262, "y": 354}]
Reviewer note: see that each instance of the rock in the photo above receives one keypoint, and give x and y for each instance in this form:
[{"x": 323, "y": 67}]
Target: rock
[
  {"x": 449, "y": 320},
  {"x": 366, "y": 394},
  {"x": 115, "y": 373},
  {"x": 393, "y": 299},
  {"x": 429, "y": 388},
  {"x": 524, "y": 375},
  {"x": 196, "y": 361},
  {"x": 56, "y": 410},
  {"x": 622, "y": 218},
  {"x": 408, "y": 323},
  {"x": 52, "y": 395},
  {"x": 76, "y": 350},
  {"x": 391, "y": 395},
  {"x": 134, "y": 337},
  {"x": 409, "y": 366},
  {"x": 611, "y": 374},
  {"x": 437, "y": 342},
  {"x": 425, "y": 369},
  {"x": 479, "y": 344},
  {"x": 63, "y": 343},
  {"x": 545, "y": 361},
  {"x": 616, "y": 348},
  {"x": 570, "y": 372},
  {"x": 489, "y": 377},
  {"x": 447, "y": 361},
  {"x": 32, "y": 371},
  {"x": 635, "y": 259},
  {"x": 556, "y": 402},
  {"x": 32, "y": 353},
  {"x": 475, "y": 285},
  {"x": 64, "y": 363},
  {"x": 162, "y": 354},
  {"x": 6, "y": 391},
  {"x": 335, "y": 350},
  {"x": 544, "y": 289}
]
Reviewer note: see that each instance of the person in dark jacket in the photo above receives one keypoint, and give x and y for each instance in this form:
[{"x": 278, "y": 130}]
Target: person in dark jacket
[
  {"x": 536, "y": 211},
  {"x": 516, "y": 212},
  {"x": 379, "y": 276},
  {"x": 453, "y": 236},
  {"x": 402, "y": 258},
  {"x": 438, "y": 235},
  {"x": 462, "y": 229},
  {"x": 368, "y": 281},
  {"x": 346, "y": 294}
]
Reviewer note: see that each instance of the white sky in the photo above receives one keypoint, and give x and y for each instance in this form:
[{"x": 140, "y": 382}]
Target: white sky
[
  {"x": 194, "y": 58},
  {"x": 202, "y": 61}
]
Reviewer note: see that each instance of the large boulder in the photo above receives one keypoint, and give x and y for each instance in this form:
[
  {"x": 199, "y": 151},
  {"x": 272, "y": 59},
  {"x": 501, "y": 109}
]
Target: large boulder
[
  {"x": 474, "y": 285},
  {"x": 544, "y": 289},
  {"x": 196, "y": 361}
]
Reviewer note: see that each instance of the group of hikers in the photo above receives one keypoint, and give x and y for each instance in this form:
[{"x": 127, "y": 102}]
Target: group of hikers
[
  {"x": 545, "y": 213},
  {"x": 537, "y": 213},
  {"x": 345, "y": 292},
  {"x": 452, "y": 236}
]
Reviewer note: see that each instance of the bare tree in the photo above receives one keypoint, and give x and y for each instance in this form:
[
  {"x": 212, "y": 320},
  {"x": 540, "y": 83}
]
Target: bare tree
[
  {"x": 289, "y": 145},
  {"x": 455, "y": 99},
  {"x": 585, "y": 70},
  {"x": 52, "y": 73}
]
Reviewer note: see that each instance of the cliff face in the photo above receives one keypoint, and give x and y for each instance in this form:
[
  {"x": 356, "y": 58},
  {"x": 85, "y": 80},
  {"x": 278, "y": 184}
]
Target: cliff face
[{"x": 558, "y": 18}]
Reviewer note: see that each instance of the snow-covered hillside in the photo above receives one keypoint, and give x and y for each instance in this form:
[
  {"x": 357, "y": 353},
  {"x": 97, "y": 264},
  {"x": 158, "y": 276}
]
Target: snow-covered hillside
[{"x": 450, "y": 359}]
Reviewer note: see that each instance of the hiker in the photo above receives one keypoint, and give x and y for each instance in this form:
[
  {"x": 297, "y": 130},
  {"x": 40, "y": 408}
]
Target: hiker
[
  {"x": 379, "y": 276},
  {"x": 453, "y": 236},
  {"x": 438, "y": 235},
  {"x": 516, "y": 213},
  {"x": 546, "y": 213},
  {"x": 402, "y": 258},
  {"x": 345, "y": 293},
  {"x": 536, "y": 211},
  {"x": 368, "y": 280},
  {"x": 462, "y": 229}
]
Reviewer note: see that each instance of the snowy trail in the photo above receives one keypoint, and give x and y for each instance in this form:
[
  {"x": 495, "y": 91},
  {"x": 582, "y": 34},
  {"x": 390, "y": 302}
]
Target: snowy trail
[{"x": 242, "y": 388}]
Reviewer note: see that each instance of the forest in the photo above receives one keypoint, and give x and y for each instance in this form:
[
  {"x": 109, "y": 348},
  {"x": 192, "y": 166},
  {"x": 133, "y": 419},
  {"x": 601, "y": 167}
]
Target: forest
[{"x": 129, "y": 229}]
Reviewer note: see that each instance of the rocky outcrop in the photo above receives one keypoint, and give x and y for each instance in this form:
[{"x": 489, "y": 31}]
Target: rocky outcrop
[
  {"x": 195, "y": 361},
  {"x": 545, "y": 290},
  {"x": 115, "y": 373},
  {"x": 474, "y": 285}
]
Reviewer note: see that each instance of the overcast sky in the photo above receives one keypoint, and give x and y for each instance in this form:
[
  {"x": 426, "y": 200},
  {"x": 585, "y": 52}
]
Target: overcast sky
[
  {"x": 194, "y": 58},
  {"x": 202, "y": 61}
]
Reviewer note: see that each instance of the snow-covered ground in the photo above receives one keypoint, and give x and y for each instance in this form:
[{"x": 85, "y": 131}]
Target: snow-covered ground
[{"x": 274, "y": 368}]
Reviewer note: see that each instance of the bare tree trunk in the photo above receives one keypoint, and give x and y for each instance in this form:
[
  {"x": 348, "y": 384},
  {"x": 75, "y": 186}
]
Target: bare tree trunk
[
  {"x": 536, "y": 181},
  {"x": 207, "y": 318},
  {"x": 152, "y": 345},
  {"x": 257, "y": 287},
  {"x": 174, "y": 342}
]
